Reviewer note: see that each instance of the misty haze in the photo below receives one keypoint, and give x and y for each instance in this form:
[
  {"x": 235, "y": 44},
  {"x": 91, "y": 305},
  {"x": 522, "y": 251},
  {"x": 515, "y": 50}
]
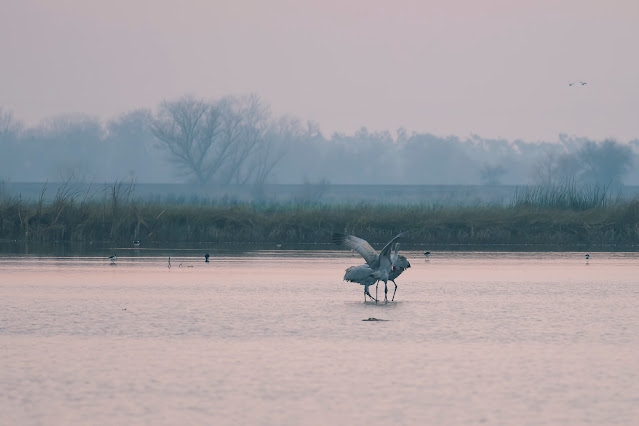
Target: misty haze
[
  {"x": 320, "y": 212},
  {"x": 235, "y": 147}
]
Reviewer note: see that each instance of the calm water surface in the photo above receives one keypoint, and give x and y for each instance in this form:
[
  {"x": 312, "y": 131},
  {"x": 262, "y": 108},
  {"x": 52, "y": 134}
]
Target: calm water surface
[{"x": 274, "y": 337}]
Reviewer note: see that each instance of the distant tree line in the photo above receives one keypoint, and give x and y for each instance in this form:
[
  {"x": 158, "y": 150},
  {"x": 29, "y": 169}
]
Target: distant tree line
[{"x": 236, "y": 140}]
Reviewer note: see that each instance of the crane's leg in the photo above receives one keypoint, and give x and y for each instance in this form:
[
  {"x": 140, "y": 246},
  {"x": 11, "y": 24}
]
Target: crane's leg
[
  {"x": 376, "y": 291},
  {"x": 385, "y": 292},
  {"x": 367, "y": 293},
  {"x": 395, "y": 290}
]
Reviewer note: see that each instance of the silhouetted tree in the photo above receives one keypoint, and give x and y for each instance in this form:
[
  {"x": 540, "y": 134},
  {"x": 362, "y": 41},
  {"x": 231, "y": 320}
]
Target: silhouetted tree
[
  {"x": 9, "y": 147},
  {"x": 65, "y": 145},
  {"x": 231, "y": 141},
  {"x": 188, "y": 128},
  {"x": 9, "y": 126},
  {"x": 131, "y": 152},
  {"x": 491, "y": 174},
  {"x": 604, "y": 163}
]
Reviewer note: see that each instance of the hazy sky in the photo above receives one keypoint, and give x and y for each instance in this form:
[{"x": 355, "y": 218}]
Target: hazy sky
[{"x": 491, "y": 67}]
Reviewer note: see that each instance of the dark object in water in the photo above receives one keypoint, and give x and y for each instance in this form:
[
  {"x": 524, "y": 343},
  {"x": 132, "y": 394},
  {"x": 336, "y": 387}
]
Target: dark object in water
[
  {"x": 206, "y": 257},
  {"x": 374, "y": 319},
  {"x": 426, "y": 253},
  {"x": 136, "y": 243}
]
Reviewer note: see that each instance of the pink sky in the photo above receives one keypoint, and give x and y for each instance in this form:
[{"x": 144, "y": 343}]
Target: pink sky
[{"x": 492, "y": 68}]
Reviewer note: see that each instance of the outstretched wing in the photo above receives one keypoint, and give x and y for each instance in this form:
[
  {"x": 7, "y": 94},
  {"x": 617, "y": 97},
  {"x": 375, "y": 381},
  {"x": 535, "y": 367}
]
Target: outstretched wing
[
  {"x": 359, "y": 245},
  {"x": 387, "y": 248}
]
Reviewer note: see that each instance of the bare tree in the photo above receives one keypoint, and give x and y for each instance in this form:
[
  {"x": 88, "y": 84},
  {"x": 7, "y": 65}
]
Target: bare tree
[
  {"x": 245, "y": 121},
  {"x": 604, "y": 163},
  {"x": 554, "y": 167},
  {"x": 9, "y": 126},
  {"x": 229, "y": 141},
  {"x": 9, "y": 148},
  {"x": 275, "y": 144},
  {"x": 491, "y": 174},
  {"x": 188, "y": 128}
]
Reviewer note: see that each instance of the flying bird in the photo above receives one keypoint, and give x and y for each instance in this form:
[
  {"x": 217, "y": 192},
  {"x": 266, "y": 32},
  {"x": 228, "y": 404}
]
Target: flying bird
[{"x": 380, "y": 264}]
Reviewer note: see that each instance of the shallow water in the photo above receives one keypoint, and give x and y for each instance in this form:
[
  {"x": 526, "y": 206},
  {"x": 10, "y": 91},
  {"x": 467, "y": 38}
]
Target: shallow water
[{"x": 275, "y": 337}]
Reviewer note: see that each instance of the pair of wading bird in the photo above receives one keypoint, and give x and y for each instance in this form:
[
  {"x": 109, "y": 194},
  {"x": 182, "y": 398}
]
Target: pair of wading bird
[{"x": 385, "y": 266}]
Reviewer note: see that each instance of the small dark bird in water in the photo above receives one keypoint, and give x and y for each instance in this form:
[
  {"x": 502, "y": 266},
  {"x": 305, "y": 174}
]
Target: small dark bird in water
[
  {"x": 587, "y": 256},
  {"x": 427, "y": 253},
  {"x": 113, "y": 258},
  {"x": 206, "y": 257},
  {"x": 136, "y": 243},
  {"x": 583, "y": 83}
]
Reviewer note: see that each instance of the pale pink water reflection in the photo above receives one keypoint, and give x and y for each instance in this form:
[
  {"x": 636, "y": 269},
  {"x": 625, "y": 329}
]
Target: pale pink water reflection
[{"x": 278, "y": 338}]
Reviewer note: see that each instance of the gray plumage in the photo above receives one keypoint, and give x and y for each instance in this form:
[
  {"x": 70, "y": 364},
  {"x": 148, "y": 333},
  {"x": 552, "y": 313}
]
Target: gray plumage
[
  {"x": 363, "y": 275},
  {"x": 401, "y": 264},
  {"x": 380, "y": 264}
]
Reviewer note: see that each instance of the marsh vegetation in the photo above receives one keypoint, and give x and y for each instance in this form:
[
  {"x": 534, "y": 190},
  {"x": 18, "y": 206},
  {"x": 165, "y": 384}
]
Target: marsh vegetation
[{"x": 562, "y": 214}]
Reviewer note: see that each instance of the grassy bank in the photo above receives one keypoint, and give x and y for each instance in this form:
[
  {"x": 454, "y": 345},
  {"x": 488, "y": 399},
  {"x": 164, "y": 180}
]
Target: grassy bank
[{"x": 561, "y": 216}]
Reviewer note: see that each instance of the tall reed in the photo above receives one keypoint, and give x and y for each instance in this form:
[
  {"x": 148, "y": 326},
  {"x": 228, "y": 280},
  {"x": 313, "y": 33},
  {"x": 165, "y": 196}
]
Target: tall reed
[{"x": 536, "y": 215}]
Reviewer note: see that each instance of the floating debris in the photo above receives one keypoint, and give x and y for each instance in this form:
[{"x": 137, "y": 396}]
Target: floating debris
[{"x": 374, "y": 319}]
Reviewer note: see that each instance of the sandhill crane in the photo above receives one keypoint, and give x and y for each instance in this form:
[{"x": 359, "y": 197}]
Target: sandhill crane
[
  {"x": 400, "y": 264},
  {"x": 380, "y": 264},
  {"x": 364, "y": 275}
]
